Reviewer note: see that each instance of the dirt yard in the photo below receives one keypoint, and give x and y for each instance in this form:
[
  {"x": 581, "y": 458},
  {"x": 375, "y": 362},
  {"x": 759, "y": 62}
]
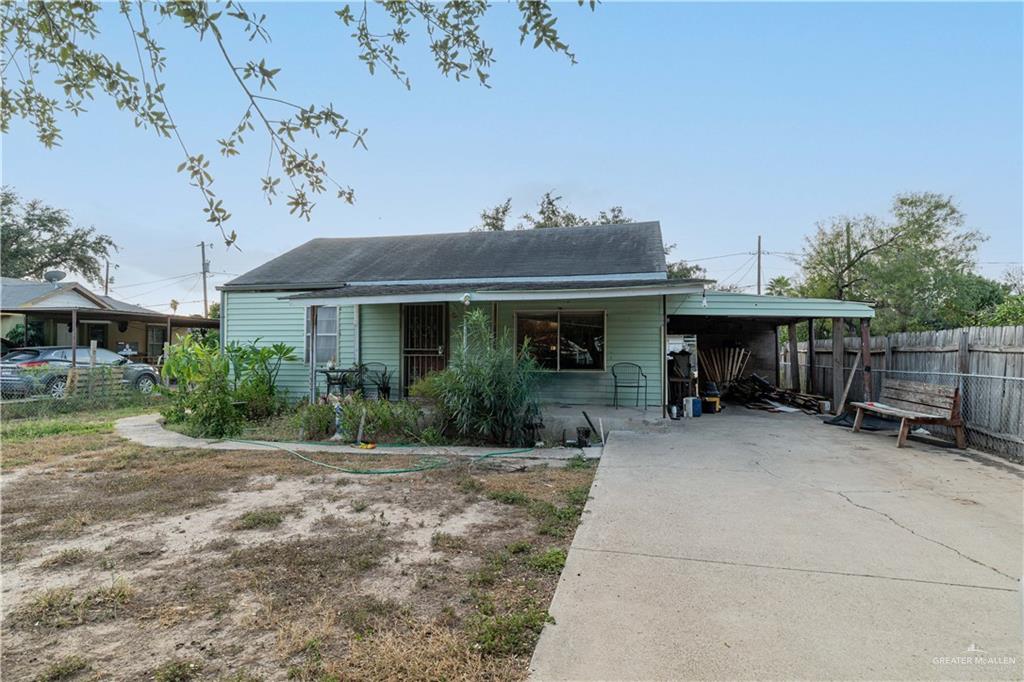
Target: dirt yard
[{"x": 126, "y": 562}]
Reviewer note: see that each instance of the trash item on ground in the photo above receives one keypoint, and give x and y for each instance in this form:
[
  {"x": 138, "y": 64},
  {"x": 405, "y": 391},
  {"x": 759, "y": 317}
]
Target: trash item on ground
[
  {"x": 673, "y": 412},
  {"x": 593, "y": 429},
  {"x": 757, "y": 393},
  {"x": 723, "y": 365},
  {"x": 871, "y": 423},
  {"x": 711, "y": 404}
]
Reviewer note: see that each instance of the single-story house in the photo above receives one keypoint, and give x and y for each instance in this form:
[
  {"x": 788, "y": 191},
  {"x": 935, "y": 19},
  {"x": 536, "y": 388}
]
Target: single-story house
[
  {"x": 68, "y": 313},
  {"x": 587, "y": 298}
]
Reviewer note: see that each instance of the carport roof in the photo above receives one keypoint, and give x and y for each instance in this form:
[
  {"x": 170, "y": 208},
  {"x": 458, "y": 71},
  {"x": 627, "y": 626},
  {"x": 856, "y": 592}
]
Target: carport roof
[{"x": 729, "y": 304}]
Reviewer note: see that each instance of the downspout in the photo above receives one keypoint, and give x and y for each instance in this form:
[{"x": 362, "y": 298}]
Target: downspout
[
  {"x": 664, "y": 358},
  {"x": 223, "y": 333},
  {"x": 312, "y": 354}
]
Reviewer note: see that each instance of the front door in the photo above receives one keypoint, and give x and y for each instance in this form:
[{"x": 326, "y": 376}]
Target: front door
[{"x": 424, "y": 341}]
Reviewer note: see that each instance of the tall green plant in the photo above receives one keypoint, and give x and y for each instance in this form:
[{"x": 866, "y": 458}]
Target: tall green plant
[{"x": 488, "y": 391}]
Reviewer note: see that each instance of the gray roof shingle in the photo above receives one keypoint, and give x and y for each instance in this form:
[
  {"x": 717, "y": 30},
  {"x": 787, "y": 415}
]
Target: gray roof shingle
[
  {"x": 403, "y": 289},
  {"x": 634, "y": 248}
]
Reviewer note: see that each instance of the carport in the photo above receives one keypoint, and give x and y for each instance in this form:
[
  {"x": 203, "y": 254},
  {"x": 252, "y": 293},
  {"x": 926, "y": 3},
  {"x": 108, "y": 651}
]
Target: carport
[
  {"x": 76, "y": 317},
  {"x": 722, "y": 319}
]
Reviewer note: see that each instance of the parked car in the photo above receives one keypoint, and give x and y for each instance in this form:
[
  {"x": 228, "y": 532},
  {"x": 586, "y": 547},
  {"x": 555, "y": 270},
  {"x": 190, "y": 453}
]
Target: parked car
[{"x": 37, "y": 370}]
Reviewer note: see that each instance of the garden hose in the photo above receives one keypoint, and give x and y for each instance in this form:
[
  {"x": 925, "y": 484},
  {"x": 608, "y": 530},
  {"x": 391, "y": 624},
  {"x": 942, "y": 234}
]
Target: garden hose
[{"x": 426, "y": 463}]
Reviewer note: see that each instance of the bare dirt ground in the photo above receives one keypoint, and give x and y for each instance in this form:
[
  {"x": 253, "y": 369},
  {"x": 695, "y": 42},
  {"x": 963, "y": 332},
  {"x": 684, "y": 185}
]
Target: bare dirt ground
[{"x": 126, "y": 562}]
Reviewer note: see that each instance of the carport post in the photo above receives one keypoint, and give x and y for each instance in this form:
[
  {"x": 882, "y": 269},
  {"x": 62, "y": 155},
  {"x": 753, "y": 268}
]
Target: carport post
[
  {"x": 794, "y": 359},
  {"x": 838, "y": 351},
  {"x": 865, "y": 354},
  {"x": 810, "y": 356}
]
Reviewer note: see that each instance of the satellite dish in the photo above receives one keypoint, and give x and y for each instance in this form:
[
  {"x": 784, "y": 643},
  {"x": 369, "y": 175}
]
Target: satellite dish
[{"x": 54, "y": 276}]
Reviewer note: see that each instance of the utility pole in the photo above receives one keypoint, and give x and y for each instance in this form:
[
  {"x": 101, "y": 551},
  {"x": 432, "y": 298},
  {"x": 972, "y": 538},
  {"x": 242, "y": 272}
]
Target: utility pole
[
  {"x": 206, "y": 271},
  {"x": 107, "y": 280},
  {"x": 758, "y": 265}
]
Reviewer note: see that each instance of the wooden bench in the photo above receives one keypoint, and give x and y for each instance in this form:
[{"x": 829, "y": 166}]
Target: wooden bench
[{"x": 917, "y": 403}]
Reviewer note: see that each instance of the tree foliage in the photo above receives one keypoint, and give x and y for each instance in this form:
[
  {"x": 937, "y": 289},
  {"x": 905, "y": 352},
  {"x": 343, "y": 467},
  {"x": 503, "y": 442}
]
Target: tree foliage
[
  {"x": 54, "y": 70},
  {"x": 682, "y": 270},
  {"x": 35, "y": 238},
  {"x": 916, "y": 267},
  {"x": 551, "y": 212},
  {"x": 780, "y": 286}
]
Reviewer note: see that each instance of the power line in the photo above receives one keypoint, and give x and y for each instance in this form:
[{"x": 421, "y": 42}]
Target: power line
[{"x": 155, "y": 281}]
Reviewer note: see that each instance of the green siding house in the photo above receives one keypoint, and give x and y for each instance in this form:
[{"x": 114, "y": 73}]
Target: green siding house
[{"x": 587, "y": 298}]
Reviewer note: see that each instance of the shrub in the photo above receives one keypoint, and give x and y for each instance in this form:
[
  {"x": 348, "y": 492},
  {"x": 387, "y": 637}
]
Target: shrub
[
  {"x": 213, "y": 413},
  {"x": 385, "y": 421},
  {"x": 315, "y": 422},
  {"x": 210, "y": 383},
  {"x": 488, "y": 392}
]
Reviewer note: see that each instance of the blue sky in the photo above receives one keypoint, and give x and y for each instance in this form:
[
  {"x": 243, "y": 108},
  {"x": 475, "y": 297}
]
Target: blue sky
[{"x": 722, "y": 121}]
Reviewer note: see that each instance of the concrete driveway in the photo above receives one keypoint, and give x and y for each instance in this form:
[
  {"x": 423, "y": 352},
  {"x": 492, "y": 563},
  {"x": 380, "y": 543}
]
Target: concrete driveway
[{"x": 753, "y": 545}]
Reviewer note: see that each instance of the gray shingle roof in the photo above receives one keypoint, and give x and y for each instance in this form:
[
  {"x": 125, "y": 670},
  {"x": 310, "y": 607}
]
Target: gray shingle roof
[
  {"x": 557, "y": 252},
  {"x": 400, "y": 289},
  {"x": 14, "y": 293}
]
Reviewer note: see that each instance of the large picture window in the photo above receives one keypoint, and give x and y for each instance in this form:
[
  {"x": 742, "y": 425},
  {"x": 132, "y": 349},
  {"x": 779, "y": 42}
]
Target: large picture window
[
  {"x": 564, "y": 340},
  {"x": 326, "y": 333}
]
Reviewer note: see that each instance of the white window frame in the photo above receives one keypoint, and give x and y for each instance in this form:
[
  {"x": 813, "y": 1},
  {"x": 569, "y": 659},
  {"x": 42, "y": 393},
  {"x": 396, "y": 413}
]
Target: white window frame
[
  {"x": 307, "y": 341},
  {"x": 558, "y": 354}
]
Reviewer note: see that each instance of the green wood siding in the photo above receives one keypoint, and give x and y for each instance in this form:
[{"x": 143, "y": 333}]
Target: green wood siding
[
  {"x": 248, "y": 316},
  {"x": 633, "y": 331},
  {"x": 722, "y": 303},
  {"x": 380, "y": 338}
]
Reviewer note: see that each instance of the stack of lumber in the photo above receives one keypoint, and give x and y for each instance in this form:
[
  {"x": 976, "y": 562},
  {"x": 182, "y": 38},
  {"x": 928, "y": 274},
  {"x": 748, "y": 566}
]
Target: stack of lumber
[
  {"x": 757, "y": 393},
  {"x": 723, "y": 365}
]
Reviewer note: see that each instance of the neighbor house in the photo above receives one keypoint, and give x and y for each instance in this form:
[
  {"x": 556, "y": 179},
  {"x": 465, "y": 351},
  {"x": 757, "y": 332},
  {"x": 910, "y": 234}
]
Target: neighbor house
[
  {"x": 588, "y": 298},
  {"x": 68, "y": 313}
]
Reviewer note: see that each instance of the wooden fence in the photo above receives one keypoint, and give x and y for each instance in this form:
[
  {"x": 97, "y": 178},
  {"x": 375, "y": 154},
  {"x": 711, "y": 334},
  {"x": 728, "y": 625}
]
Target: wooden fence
[{"x": 987, "y": 363}]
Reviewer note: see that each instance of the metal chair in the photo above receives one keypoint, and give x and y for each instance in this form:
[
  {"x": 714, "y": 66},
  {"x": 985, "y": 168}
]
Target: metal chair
[
  {"x": 629, "y": 375},
  {"x": 372, "y": 376}
]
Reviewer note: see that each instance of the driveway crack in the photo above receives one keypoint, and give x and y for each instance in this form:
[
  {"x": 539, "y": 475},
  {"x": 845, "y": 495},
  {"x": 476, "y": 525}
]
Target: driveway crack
[
  {"x": 910, "y": 530},
  {"x": 845, "y": 496}
]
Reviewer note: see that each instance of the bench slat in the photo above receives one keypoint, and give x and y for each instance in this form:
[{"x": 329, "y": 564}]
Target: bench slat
[
  {"x": 939, "y": 401},
  {"x": 930, "y": 410},
  {"x": 921, "y": 387},
  {"x": 896, "y": 412}
]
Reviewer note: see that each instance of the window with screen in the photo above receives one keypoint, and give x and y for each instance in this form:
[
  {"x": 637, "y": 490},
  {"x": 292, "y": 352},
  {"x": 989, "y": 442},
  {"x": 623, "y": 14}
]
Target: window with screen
[
  {"x": 564, "y": 340},
  {"x": 325, "y": 335}
]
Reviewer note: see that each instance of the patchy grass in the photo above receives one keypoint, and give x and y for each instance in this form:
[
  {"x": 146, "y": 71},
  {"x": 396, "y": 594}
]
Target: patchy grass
[
  {"x": 30, "y": 430},
  {"x": 66, "y": 668},
  {"x": 509, "y": 634},
  {"x": 178, "y": 671},
  {"x": 61, "y": 607},
  {"x": 259, "y": 518},
  {"x": 66, "y": 558},
  {"x": 446, "y": 542},
  {"x": 551, "y": 561},
  {"x": 444, "y": 574}
]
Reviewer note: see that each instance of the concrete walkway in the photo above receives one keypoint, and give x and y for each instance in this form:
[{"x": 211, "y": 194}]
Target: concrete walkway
[
  {"x": 147, "y": 429},
  {"x": 752, "y": 545}
]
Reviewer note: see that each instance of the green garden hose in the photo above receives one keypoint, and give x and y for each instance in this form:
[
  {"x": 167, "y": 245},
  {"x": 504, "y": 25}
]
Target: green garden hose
[{"x": 426, "y": 463}]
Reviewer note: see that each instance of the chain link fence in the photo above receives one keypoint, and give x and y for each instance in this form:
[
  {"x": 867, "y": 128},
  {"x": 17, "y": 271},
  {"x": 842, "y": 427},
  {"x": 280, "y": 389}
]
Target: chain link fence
[
  {"x": 991, "y": 406},
  {"x": 84, "y": 390}
]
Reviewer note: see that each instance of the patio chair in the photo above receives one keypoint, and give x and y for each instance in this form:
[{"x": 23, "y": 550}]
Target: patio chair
[
  {"x": 629, "y": 375},
  {"x": 372, "y": 374}
]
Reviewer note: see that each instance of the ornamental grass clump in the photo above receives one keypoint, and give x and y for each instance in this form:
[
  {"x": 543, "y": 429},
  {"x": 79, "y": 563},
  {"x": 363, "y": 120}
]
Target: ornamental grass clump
[{"x": 488, "y": 392}]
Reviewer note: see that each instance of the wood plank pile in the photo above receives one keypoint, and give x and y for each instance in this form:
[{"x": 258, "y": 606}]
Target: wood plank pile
[
  {"x": 723, "y": 365},
  {"x": 757, "y": 393}
]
